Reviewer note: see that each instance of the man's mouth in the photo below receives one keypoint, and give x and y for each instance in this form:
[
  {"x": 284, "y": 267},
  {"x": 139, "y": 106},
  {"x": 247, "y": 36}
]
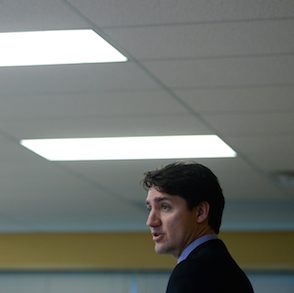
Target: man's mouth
[{"x": 157, "y": 236}]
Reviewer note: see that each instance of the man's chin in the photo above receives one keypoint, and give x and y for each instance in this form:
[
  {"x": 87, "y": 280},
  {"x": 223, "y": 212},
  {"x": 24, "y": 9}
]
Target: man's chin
[{"x": 159, "y": 249}]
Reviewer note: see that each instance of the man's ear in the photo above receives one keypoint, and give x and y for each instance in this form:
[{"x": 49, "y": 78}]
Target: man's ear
[{"x": 202, "y": 211}]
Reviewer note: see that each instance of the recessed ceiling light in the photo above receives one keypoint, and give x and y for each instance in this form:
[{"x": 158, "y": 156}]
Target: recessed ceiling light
[
  {"x": 130, "y": 148},
  {"x": 56, "y": 47}
]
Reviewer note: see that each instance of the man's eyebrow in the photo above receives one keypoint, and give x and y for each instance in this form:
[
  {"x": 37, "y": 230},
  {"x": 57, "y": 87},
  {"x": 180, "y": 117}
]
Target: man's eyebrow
[{"x": 158, "y": 199}]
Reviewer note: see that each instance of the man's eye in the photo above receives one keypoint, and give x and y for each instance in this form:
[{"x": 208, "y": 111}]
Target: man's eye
[{"x": 165, "y": 207}]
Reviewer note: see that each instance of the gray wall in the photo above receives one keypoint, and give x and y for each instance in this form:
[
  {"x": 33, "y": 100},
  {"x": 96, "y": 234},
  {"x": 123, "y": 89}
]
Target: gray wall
[{"x": 121, "y": 282}]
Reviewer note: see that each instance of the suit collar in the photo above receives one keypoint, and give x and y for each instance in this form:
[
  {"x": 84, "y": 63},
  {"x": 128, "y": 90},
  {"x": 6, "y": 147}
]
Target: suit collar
[{"x": 185, "y": 253}]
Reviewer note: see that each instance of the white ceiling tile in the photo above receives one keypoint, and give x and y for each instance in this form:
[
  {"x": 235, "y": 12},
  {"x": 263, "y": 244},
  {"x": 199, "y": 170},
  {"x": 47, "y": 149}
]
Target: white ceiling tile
[
  {"x": 128, "y": 175},
  {"x": 252, "y": 124},
  {"x": 63, "y": 199},
  {"x": 272, "y": 161},
  {"x": 204, "y": 40},
  {"x": 57, "y": 79},
  {"x": 224, "y": 72},
  {"x": 101, "y": 104},
  {"x": 11, "y": 151},
  {"x": 241, "y": 181},
  {"x": 134, "y": 12},
  {"x": 268, "y": 153},
  {"x": 26, "y": 15},
  {"x": 271, "y": 145},
  {"x": 251, "y": 185},
  {"x": 239, "y": 100},
  {"x": 127, "y": 125}
]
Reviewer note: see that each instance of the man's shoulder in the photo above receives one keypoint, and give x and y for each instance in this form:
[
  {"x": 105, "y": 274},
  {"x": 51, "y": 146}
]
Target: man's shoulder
[
  {"x": 210, "y": 268},
  {"x": 202, "y": 259},
  {"x": 211, "y": 257}
]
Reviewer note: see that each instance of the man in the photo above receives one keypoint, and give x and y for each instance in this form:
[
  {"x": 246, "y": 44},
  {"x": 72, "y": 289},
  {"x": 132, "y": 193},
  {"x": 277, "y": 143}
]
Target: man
[{"x": 185, "y": 203}]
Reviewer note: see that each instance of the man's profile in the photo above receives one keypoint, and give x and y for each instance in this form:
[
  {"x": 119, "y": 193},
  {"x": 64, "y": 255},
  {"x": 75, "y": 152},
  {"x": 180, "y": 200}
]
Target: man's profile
[{"x": 185, "y": 203}]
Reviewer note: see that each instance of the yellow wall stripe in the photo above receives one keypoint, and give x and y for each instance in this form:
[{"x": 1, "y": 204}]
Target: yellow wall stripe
[
  {"x": 262, "y": 250},
  {"x": 132, "y": 251}
]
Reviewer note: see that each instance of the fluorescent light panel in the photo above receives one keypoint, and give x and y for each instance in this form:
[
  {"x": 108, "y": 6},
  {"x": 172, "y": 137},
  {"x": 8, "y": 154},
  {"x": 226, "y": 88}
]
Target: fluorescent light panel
[
  {"x": 56, "y": 47},
  {"x": 130, "y": 148}
]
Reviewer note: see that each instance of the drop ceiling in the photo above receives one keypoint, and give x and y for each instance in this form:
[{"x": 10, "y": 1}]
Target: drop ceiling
[{"x": 194, "y": 67}]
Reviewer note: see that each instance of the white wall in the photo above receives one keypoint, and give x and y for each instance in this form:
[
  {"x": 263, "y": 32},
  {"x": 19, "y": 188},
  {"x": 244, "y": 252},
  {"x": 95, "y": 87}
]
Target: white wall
[
  {"x": 121, "y": 282},
  {"x": 272, "y": 282}
]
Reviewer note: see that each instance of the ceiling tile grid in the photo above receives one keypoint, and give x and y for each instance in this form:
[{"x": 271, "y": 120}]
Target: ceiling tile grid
[
  {"x": 225, "y": 72},
  {"x": 208, "y": 40},
  {"x": 112, "y": 13},
  {"x": 195, "y": 67}
]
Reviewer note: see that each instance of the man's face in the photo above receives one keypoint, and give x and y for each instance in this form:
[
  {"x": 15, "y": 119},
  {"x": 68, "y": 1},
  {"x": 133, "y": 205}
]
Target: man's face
[{"x": 172, "y": 225}]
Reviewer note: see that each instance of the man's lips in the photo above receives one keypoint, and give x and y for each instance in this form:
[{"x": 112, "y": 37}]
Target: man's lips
[{"x": 157, "y": 236}]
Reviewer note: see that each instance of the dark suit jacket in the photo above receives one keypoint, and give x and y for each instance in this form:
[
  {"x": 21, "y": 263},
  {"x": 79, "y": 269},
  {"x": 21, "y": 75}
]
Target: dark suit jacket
[{"x": 209, "y": 269}]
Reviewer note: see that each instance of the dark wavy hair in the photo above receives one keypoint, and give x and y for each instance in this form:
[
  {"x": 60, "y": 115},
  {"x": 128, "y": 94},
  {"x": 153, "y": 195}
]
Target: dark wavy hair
[{"x": 193, "y": 182}]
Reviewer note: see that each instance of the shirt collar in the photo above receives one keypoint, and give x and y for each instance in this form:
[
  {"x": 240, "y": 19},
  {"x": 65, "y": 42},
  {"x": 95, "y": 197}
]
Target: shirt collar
[{"x": 195, "y": 244}]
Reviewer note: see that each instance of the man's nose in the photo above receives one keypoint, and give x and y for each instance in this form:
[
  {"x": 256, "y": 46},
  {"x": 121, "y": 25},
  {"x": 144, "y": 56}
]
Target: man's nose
[{"x": 153, "y": 219}]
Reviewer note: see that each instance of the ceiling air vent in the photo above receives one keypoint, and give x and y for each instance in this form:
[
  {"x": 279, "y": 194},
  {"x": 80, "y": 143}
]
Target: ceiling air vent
[{"x": 284, "y": 178}]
